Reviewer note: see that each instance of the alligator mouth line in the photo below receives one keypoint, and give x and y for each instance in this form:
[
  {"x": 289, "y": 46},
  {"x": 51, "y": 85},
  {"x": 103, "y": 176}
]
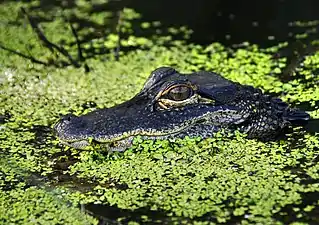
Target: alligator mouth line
[
  {"x": 119, "y": 142},
  {"x": 128, "y": 136}
]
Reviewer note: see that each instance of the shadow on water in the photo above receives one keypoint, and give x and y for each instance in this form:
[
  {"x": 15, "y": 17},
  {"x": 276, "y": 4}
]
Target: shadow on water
[
  {"x": 4, "y": 118},
  {"x": 266, "y": 23},
  {"x": 311, "y": 217},
  {"x": 230, "y": 22},
  {"x": 144, "y": 215},
  {"x": 312, "y": 126},
  {"x": 113, "y": 215}
]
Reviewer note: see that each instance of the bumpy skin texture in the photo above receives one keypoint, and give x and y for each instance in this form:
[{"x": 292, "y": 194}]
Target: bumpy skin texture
[{"x": 173, "y": 105}]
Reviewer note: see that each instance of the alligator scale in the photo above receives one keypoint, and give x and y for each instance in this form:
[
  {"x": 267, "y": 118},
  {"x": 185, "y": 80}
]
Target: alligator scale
[{"x": 173, "y": 105}]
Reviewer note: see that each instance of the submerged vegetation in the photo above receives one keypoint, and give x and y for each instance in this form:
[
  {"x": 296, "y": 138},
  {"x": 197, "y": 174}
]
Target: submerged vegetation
[{"x": 224, "y": 179}]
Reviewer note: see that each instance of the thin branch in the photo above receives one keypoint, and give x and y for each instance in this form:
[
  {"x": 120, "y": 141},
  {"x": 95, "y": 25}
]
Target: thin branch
[
  {"x": 119, "y": 36},
  {"x": 80, "y": 54},
  {"x": 32, "y": 59}
]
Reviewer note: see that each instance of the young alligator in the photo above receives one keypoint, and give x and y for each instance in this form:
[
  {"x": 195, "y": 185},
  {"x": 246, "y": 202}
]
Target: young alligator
[{"x": 172, "y": 105}]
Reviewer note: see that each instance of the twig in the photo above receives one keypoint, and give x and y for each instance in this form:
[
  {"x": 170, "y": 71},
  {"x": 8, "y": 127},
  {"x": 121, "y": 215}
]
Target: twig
[
  {"x": 32, "y": 59},
  {"x": 80, "y": 54},
  {"x": 118, "y": 29}
]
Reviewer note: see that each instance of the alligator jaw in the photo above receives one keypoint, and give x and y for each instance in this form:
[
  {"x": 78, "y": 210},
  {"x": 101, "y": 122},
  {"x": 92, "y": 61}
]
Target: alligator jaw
[
  {"x": 82, "y": 144},
  {"x": 116, "y": 146}
]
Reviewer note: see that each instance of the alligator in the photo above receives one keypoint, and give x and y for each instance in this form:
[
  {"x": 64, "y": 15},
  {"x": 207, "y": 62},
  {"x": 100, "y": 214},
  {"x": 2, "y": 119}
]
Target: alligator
[{"x": 175, "y": 105}]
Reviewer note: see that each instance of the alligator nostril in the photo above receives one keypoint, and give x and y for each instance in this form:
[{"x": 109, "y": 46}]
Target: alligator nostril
[
  {"x": 63, "y": 123},
  {"x": 67, "y": 118}
]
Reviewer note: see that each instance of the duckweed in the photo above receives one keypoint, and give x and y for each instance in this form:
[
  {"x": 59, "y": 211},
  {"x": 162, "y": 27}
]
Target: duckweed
[{"x": 223, "y": 179}]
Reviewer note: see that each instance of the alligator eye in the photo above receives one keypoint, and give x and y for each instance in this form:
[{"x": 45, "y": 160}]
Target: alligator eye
[{"x": 179, "y": 93}]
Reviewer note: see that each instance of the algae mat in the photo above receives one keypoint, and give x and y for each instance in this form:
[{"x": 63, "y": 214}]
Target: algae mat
[{"x": 225, "y": 179}]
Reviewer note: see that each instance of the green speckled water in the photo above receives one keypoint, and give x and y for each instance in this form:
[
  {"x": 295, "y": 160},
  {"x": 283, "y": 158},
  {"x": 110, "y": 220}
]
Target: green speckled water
[{"x": 226, "y": 179}]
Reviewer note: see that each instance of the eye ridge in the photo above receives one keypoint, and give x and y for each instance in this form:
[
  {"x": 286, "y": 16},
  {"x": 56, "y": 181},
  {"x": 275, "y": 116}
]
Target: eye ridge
[{"x": 179, "y": 92}]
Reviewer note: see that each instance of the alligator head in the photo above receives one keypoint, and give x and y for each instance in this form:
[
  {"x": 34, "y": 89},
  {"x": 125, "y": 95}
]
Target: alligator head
[{"x": 173, "y": 105}]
